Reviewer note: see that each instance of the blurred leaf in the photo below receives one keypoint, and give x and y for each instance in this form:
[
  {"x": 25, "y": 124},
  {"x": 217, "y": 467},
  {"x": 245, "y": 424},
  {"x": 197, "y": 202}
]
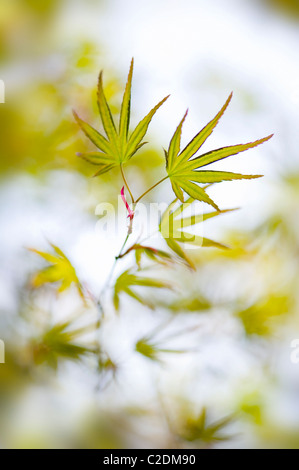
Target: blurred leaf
[
  {"x": 60, "y": 271},
  {"x": 148, "y": 350},
  {"x": 199, "y": 429},
  {"x": 260, "y": 317},
  {"x": 106, "y": 364},
  {"x": 252, "y": 407},
  {"x": 171, "y": 226},
  {"x": 190, "y": 304},
  {"x": 175, "y": 247},
  {"x": 290, "y": 7},
  {"x": 153, "y": 351},
  {"x": 159, "y": 256},
  {"x": 15, "y": 374},
  {"x": 58, "y": 343}
]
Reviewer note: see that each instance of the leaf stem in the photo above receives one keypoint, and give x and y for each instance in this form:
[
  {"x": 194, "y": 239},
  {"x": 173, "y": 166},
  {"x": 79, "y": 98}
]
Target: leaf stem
[
  {"x": 126, "y": 184},
  {"x": 123, "y": 246},
  {"x": 152, "y": 187},
  {"x": 115, "y": 262},
  {"x": 129, "y": 232}
]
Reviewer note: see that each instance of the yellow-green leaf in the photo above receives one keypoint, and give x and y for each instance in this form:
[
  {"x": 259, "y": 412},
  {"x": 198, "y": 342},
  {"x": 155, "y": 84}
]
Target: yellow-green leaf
[
  {"x": 172, "y": 224},
  {"x": 95, "y": 137},
  {"x": 97, "y": 158},
  {"x": 60, "y": 271},
  {"x": 175, "y": 144},
  {"x": 220, "y": 154},
  {"x": 202, "y": 136},
  {"x": 105, "y": 112},
  {"x": 104, "y": 169},
  {"x": 216, "y": 176},
  {"x": 118, "y": 148},
  {"x": 183, "y": 169},
  {"x": 141, "y": 129},
  {"x": 125, "y": 282},
  {"x": 124, "y": 120}
]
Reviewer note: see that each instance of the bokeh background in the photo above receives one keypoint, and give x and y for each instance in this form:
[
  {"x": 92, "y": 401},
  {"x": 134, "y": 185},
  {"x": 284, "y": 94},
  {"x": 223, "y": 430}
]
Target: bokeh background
[{"x": 67, "y": 381}]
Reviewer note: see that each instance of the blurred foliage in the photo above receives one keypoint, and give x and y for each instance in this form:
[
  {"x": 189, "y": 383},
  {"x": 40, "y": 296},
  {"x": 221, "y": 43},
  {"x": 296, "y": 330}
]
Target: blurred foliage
[
  {"x": 153, "y": 351},
  {"x": 199, "y": 429},
  {"x": 252, "y": 406},
  {"x": 259, "y": 317},
  {"x": 60, "y": 271},
  {"x": 171, "y": 228},
  {"x": 55, "y": 75},
  {"x": 290, "y": 7},
  {"x": 51, "y": 331},
  {"x": 58, "y": 343},
  {"x": 14, "y": 374},
  {"x": 196, "y": 303},
  {"x": 128, "y": 279}
]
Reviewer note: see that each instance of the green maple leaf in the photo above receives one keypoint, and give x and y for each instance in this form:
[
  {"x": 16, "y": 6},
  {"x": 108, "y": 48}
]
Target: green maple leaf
[
  {"x": 197, "y": 428},
  {"x": 154, "y": 350},
  {"x": 154, "y": 254},
  {"x": 117, "y": 147},
  {"x": 172, "y": 224},
  {"x": 183, "y": 168},
  {"x": 60, "y": 270},
  {"x": 62, "y": 341},
  {"x": 127, "y": 280}
]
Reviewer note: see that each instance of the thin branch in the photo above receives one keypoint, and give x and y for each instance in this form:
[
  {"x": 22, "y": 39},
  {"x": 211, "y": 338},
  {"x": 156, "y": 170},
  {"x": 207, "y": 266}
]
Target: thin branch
[
  {"x": 130, "y": 229},
  {"x": 114, "y": 265},
  {"x": 126, "y": 183},
  {"x": 152, "y": 187}
]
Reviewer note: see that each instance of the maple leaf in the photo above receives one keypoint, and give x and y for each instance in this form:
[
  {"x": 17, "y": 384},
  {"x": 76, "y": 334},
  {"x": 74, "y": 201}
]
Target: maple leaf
[
  {"x": 154, "y": 254},
  {"x": 60, "y": 270},
  {"x": 183, "y": 168},
  {"x": 171, "y": 227},
  {"x": 62, "y": 341},
  {"x": 117, "y": 147},
  {"x": 127, "y": 280}
]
